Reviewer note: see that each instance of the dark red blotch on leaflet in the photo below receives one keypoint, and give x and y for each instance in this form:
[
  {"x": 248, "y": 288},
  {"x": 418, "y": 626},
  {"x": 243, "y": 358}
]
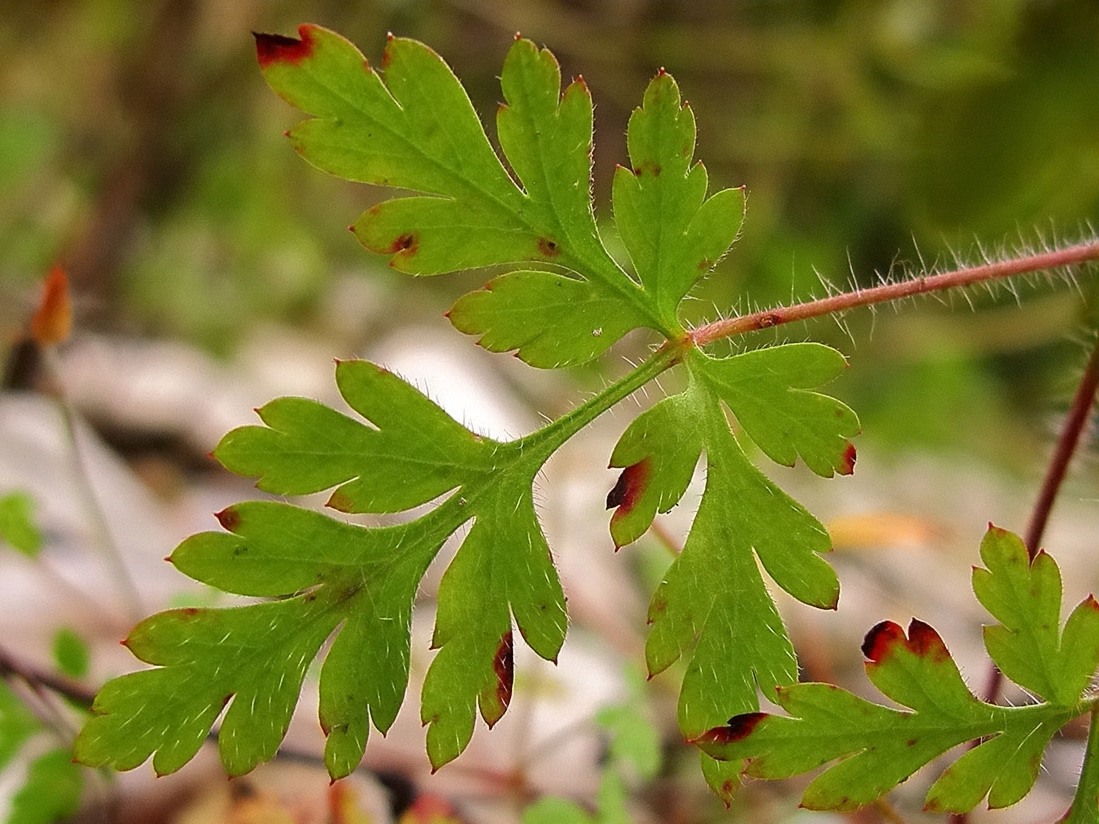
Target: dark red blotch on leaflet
[
  {"x": 276, "y": 48},
  {"x": 739, "y": 727},
  {"x": 629, "y": 486},
  {"x": 504, "y": 667},
  {"x": 922, "y": 640}
]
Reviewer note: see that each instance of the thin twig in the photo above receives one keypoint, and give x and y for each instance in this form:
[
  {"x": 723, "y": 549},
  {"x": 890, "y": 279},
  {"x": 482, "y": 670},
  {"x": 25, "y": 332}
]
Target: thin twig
[
  {"x": 11, "y": 668},
  {"x": 101, "y": 531}
]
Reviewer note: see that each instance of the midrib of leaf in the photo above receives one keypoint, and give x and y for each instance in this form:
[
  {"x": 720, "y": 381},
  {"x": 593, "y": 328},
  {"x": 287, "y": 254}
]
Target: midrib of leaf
[{"x": 1048, "y": 653}]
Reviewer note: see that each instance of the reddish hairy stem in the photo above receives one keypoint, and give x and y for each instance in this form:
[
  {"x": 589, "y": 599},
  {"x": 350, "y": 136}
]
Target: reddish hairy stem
[
  {"x": 1081, "y": 253},
  {"x": 1067, "y": 442}
]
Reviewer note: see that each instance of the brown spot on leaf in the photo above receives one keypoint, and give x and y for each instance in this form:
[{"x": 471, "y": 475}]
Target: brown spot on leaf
[
  {"x": 847, "y": 465},
  {"x": 547, "y": 247},
  {"x": 631, "y": 483},
  {"x": 657, "y": 606},
  {"x": 503, "y": 666},
  {"x": 406, "y": 244},
  {"x": 728, "y": 788},
  {"x": 705, "y": 265},
  {"x": 229, "y": 518},
  {"x": 275, "y": 48},
  {"x": 738, "y": 728}
]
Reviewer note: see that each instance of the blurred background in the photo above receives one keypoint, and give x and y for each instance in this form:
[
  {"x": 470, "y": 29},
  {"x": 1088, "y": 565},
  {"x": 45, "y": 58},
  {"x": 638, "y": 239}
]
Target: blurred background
[{"x": 212, "y": 269}]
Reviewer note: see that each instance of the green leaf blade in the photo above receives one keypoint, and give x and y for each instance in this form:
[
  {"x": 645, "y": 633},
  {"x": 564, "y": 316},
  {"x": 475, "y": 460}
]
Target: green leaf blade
[
  {"x": 657, "y": 453},
  {"x": 416, "y": 453},
  {"x": 551, "y": 321},
  {"x": 51, "y": 792},
  {"x": 1027, "y": 645},
  {"x": 253, "y": 658},
  {"x": 417, "y": 130},
  {"x": 1003, "y": 768},
  {"x": 673, "y": 234},
  {"x": 17, "y": 526},
  {"x": 769, "y": 391},
  {"x": 878, "y": 747},
  {"x": 503, "y": 569}
]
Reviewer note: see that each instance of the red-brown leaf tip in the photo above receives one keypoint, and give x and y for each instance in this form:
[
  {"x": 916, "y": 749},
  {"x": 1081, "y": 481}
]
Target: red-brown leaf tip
[
  {"x": 229, "y": 518},
  {"x": 880, "y": 638},
  {"x": 847, "y": 465},
  {"x": 739, "y": 727},
  {"x": 503, "y": 666},
  {"x": 52, "y": 320},
  {"x": 276, "y": 48},
  {"x": 924, "y": 640},
  {"x": 340, "y": 502}
]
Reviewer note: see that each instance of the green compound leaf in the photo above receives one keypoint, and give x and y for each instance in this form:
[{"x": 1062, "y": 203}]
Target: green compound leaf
[
  {"x": 17, "y": 526},
  {"x": 51, "y": 788},
  {"x": 349, "y": 583},
  {"x": 879, "y": 747},
  {"x": 726, "y": 622},
  {"x": 417, "y": 130},
  {"x": 1026, "y": 645},
  {"x": 51, "y": 791},
  {"x": 351, "y": 588}
]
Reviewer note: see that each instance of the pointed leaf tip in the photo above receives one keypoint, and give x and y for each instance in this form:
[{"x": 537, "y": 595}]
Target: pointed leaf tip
[
  {"x": 738, "y": 728},
  {"x": 229, "y": 518},
  {"x": 847, "y": 465}
]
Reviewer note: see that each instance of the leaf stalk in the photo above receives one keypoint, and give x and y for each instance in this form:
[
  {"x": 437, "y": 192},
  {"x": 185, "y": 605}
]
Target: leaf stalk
[{"x": 1058, "y": 258}]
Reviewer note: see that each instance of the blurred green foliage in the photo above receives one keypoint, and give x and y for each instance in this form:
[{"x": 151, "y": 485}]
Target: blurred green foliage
[{"x": 139, "y": 145}]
